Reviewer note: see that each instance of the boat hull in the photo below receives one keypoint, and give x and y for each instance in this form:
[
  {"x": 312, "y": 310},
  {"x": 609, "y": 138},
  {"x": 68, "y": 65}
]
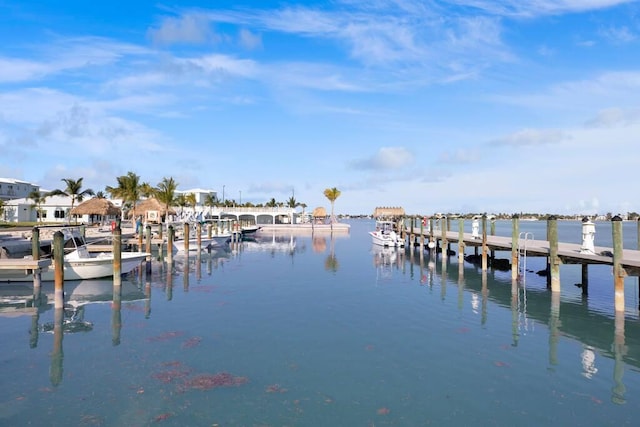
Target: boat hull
[
  {"x": 81, "y": 269},
  {"x": 386, "y": 240}
]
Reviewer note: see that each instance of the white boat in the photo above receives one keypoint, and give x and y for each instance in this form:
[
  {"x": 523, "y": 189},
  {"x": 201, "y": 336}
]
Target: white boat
[
  {"x": 385, "y": 235},
  {"x": 79, "y": 263},
  {"x": 215, "y": 241},
  {"x": 249, "y": 229},
  {"x": 205, "y": 243}
]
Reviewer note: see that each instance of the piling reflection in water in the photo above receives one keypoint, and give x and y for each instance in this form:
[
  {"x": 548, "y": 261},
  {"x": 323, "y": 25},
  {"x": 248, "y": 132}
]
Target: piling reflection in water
[{"x": 599, "y": 333}]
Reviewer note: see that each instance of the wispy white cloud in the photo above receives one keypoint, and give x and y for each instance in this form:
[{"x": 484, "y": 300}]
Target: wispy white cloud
[
  {"x": 618, "y": 35},
  {"x": 188, "y": 28},
  {"x": 533, "y": 8},
  {"x": 249, "y": 40},
  {"x": 531, "y": 137},
  {"x": 387, "y": 158},
  {"x": 63, "y": 55},
  {"x": 613, "y": 117}
]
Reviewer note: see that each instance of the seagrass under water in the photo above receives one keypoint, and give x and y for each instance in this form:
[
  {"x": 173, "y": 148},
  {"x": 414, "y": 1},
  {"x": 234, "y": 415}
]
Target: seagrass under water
[{"x": 302, "y": 331}]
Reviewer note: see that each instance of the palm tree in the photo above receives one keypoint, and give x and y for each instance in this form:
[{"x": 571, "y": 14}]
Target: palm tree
[
  {"x": 292, "y": 203},
  {"x": 38, "y": 199},
  {"x": 73, "y": 190},
  {"x": 181, "y": 200},
  {"x": 166, "y": 193},
  {"x": 146, "y": 190},
  {"x": 210, "y": 201},
  {"x": 332, "y": 194},
  {"x": 128, "y": 190},
  {"x": 271, "y": 203},
  {"x": 101, "y": 195}
]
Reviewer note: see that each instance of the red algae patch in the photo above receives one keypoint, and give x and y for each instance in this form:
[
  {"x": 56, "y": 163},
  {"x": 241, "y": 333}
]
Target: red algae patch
[
  {"x": 191, "y": 342},
  {"x": 275, "y": 388},
  {"x": 165, "y": 336},
  {"x": 209, "y": 381}
]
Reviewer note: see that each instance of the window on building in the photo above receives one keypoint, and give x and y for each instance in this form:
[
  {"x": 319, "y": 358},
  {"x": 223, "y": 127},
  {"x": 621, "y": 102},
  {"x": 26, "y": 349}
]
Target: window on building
[{"x": 59, "y": 213}]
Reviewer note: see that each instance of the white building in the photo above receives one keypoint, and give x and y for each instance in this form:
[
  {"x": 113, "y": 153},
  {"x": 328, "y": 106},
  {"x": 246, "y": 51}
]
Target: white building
[
  {"x": 15, "y": 189},
  {"x": 54, "y": 209},
  {"x": 200, "y": 193}
]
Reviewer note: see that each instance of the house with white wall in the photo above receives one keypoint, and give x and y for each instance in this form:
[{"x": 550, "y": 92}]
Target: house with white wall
[{"x": 15, "y": 189}]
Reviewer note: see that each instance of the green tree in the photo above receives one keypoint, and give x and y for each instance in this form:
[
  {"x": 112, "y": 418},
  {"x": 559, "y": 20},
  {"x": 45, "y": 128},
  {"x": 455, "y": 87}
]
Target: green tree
[
  {"x": 191, "y": 200},
  {"x": 210, "y": 201},
  {"x": 292, "y": 202},
  {"x": 181, "y": 200},
  {"x": 128, "y": 190},
  {"x": 38, "y": 199},
  {"x": 332, "y": 194},
  {"x": 271, "y": 203},
  {"x": 74, "y": 190},
  {"x": 166, "y": 193},
  {"x": 146, "y": 190}
]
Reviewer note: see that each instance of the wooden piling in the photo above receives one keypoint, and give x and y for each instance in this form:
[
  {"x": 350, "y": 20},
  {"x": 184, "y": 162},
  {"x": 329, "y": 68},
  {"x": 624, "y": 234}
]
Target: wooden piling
[
  {"x": 618, "y": 270},
  {"x": 448, "y": 221},
  {"x": 35, "y": 243},
  {"x": 584, "y": 285},
  {"x": 140, "y": 238},
  {"x": 58, "y": 263},
  {"x": 515, "y": 236},
  {"x": 117, "y": 256},
  {"x": 461, "y": 240},
  {"x": 170, "y": 245},
  {"x": 186, "y": 237},
  {"x": 37, "y": 275},
  {"x": 148, "y": 249},
  {"x": 554, "y": 260},
  {"x": 199, "y": 236},
  {"x": 493, "y": 233},
  {"x": 432, "y": 230},
  {"x": 484, "y": 243},
  {"x": 444, "y": 244}
]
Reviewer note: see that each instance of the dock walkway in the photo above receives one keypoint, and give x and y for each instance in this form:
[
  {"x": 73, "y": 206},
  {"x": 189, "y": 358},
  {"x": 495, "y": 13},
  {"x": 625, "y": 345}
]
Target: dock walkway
[{"x": 569, "y": 253}]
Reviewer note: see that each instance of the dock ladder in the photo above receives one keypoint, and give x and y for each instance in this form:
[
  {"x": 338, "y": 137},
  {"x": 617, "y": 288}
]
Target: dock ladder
[{"x": 523, "y": 238}]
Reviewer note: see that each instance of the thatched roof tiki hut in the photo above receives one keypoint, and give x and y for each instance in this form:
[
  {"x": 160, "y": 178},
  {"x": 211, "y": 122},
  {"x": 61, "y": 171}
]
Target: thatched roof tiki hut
[
  {"x": 319, "y": 215},
  {"x": 388, "y": 213},
  {"x": 97, "y": 208},
  {"x": 152, "y": 204}
]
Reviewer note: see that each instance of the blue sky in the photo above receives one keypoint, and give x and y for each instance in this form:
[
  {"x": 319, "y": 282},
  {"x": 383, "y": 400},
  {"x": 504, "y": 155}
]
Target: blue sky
[{"x": 434, "y": 106}]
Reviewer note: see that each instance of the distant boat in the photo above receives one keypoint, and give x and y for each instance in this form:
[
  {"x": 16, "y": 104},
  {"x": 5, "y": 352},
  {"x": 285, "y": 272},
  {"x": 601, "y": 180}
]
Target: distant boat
[
  {"x": 206, "y": 242},
  {"x": 79, "y": 263},
  {"x": 385, "y": 235},
  {"x": 249, "y": 229}
]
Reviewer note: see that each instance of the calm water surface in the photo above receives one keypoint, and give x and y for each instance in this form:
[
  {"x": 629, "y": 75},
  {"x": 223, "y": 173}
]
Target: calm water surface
[{"x": 302, "y": 331}]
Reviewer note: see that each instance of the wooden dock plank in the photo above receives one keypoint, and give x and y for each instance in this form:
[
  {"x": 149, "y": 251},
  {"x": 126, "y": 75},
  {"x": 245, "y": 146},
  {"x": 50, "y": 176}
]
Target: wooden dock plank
[
  {"x": 568, "y": 252},
  {"x": 23, "y": 264}
]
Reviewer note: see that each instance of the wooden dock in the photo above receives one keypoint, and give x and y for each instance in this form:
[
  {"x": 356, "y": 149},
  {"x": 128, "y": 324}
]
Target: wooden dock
[
  {"x": 28, "y": 265},
  {"x": 569, "y": 253},
  {"x": 624, "y": 262}
]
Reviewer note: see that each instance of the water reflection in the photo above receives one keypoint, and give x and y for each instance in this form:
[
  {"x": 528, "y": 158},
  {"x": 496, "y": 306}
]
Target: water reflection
[
  {"x": 386, "y": 260},
  {"x": 600, "y": 334}
]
